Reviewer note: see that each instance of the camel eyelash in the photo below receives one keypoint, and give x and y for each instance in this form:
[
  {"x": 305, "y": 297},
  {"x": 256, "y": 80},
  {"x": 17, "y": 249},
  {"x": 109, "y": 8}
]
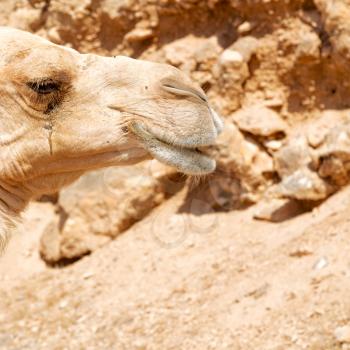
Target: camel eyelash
[
  {"x": 47, "y": 93},
  {"x": 45, "y": 86}
]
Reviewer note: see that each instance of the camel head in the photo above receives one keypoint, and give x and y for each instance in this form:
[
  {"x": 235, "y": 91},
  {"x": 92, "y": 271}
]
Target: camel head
[{"x": 63, "y": 113}]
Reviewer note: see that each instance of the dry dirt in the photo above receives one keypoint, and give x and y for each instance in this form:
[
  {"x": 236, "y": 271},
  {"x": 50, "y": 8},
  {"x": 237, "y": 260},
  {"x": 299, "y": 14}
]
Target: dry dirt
[{"x": 198, "y": 270}]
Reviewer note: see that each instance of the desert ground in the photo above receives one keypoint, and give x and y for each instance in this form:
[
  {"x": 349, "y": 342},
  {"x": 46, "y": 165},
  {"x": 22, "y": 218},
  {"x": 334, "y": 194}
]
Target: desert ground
[{"x": 254, "y": 256}]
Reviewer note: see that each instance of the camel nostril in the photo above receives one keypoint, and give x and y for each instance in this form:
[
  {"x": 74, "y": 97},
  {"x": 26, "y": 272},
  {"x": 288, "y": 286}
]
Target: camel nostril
[{"x": 183, "y": 90}]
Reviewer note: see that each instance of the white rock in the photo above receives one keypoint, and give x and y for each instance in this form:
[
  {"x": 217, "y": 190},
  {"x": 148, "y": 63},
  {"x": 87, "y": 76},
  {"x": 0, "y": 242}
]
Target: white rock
[
  {"x": 342, "y": 334},
  {"x": 245, "y": 27},
  {"x": 139, "y": 34},
  {"x": 260, "y": 120},
  {"x": 321, "y": 264},
  {"x": 231, "y": 57},
  {"x": 246, "y": 46},
  {"x": 277, "y": 210},
  {"x": 273, "y": 145}
]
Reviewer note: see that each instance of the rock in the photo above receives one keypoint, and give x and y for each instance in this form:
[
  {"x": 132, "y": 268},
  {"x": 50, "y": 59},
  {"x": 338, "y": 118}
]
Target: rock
[
  {"x": 206, "y": 52},
  {"x": 342, "y": 334},
  {"x": 246, "y": 47},
  {"x": 316, "y": 134},
  {"x": 273, "y": 145},
  {"x": 225, "y": 193},
  {"x": 336, "y": 16},
  {"x": 317, "y": 130},
  {"x": 275, "y": 102},
  {"x": 337, "y": 143},
  {"x": 334, "y": 156},
  {"x": 194, "y": 55},
  {"x": 292, "y": 157},
  {"x": 102, "y": 204},
  {"x": 260, "y": 121},
  {"x": 242, "y": 166},
  {"x": 139, "y": 34},
  {"x": 333, "y": 168},
  {"x": 53, "y": 34},
  {"x": 239, "y": 153},
  {"x": 26, "y": 19},
  {"x": 245, "y": 27},
  {"x": 230, "y": 73},
  {"x": 304, "y": 184},
  {"x": 309, "y": 47},
  {"x": 278, "y": 210},
  {"x": 315, "y": 137},
  {"x": 321, "y": 264},
  {"x": 231, "y": 58}
]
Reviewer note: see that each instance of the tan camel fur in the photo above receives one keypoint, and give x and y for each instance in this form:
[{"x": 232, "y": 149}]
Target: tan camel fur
[{"x": 63, "y": 113}]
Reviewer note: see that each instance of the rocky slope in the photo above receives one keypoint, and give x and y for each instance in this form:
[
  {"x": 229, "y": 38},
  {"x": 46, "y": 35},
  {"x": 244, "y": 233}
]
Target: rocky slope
[{"x": 200, "y": 271}]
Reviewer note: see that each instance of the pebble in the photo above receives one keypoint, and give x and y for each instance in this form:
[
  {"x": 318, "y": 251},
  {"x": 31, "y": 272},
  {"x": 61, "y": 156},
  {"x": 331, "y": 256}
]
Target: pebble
[
  {"x": 274, "y": 102},
  {"x": 229, "y": 57},
  {"x": 139, "y": 34},
  {"x": 321, "y": 264},
  {"x": 342, "y": 334},
  {"x": 245, "y": 27},
  {"x": 273, "y": 145},
  {"x": 88, "y": 275},
  {"x": 277, "y": 210},
  {"x": 63, "y": 304}
]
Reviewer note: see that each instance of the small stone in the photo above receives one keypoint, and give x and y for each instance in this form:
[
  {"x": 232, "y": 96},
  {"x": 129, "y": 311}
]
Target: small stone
[
  {"x": 315, "y": 138},
  {"x": 274, "y": 102},
  {"x": 309, "y": 46},
  {"x": 292, "y": 157},
  {"x": 278, "y": 210},
  {"x": 231, "y": 57},
  {"x": 246, "y": 46},
  {"x": 321, "y": 264},
  {"x": 139, "y": 34},
  {"x": 342, "y": 334},
  {"x": 260, "y": 120},
  {"x": 35, "y": 329},
  {"x": 334, "y": 168},
  {"x": 63, "y": 304},
  {"x": 53, "y": 35},
  {"x": 337, "y": 143},
  {"x": 140, "y": 344},
  {"x": 303, "y": 184},
  {"x": 25, "y": 19},
  {"x": 273, "y": 145},
  {"x": 88, "y": 275},
  {"x": 245, "y": 27}
]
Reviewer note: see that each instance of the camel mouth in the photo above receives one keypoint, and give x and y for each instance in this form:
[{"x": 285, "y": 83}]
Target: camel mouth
[{"x": 191, "y": 161}]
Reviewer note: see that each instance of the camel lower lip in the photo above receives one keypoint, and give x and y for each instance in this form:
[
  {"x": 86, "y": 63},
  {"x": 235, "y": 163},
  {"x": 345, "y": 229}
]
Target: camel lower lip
[{"x": 186, "y": 160}]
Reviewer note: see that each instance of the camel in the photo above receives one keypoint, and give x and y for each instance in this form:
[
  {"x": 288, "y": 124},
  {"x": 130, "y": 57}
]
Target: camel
[{"x": 63, "y": 113}]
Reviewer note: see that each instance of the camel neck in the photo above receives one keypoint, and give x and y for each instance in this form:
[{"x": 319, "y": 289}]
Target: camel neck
[
  {"x": 12, "y": 202},
  {"x": 12, "y": 199},
  {"x": 6, "y": 224}
]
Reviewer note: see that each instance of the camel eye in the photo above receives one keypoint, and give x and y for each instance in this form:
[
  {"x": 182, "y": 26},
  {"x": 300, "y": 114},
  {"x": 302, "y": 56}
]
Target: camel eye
[{"x": 44, "y": 87}]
